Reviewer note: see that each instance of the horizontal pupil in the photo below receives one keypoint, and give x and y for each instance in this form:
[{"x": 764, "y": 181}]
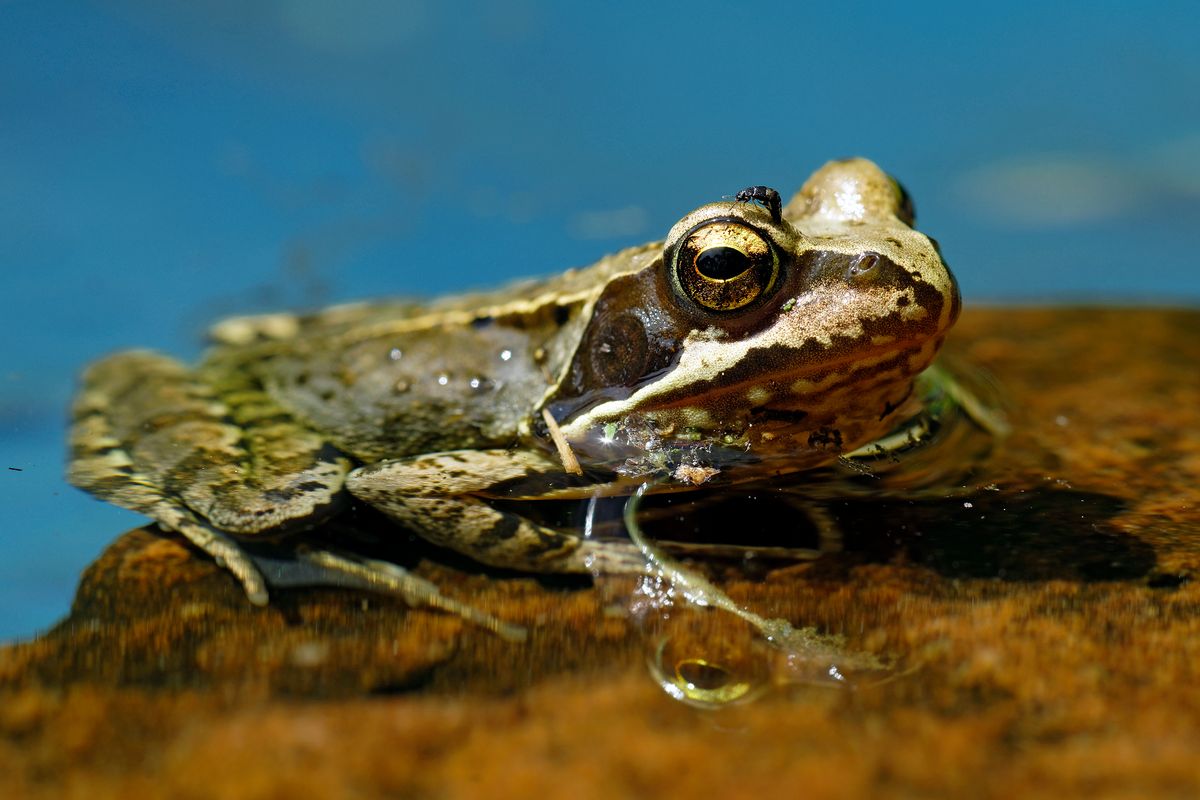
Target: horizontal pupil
[{"x": 722, "y": 263}]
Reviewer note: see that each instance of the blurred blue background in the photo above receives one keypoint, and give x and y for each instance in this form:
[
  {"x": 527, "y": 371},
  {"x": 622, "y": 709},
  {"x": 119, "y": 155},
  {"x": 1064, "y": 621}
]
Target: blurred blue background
[{"x": 165, "y": 164}]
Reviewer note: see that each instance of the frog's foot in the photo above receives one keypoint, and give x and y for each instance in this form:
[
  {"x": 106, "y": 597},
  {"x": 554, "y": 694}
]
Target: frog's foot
[
  {"x": 107, "y": 475},
  {"x": 314, "y": 567},
  {"x": 223, "y": 549},
  {"x": 444, "y": 497},
  {"x": 208, "y": 459}
]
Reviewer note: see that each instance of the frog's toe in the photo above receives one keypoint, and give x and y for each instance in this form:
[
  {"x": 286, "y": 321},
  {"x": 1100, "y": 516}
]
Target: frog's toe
[
  {"x": 313, "y": 567},
  {"x": 226, "y": 552}
]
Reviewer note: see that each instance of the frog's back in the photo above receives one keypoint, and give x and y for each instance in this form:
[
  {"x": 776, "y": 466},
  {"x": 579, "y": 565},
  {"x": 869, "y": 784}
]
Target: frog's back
[{"x": 390, "y": 379}]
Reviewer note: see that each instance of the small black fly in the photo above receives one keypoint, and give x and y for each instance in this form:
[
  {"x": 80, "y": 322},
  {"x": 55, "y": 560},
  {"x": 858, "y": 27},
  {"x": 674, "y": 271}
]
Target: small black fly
[{"x": 765, "y": 196}]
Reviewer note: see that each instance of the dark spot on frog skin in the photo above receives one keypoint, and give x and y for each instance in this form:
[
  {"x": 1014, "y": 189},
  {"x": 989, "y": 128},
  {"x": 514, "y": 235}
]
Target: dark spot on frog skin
[
  {"x": 504, "y": 529},
  {"x": 289, "y": 493},
  {"x": 759, "y": 415},
  {"x": 889, "y": 406},
  {"x": 535, "y": 482},
  {"x": 826, "y": 438},
  {"x": 482, "y": 322},
  {"x": 551, "y": 540},
  {"x": 561, "y": 315}
]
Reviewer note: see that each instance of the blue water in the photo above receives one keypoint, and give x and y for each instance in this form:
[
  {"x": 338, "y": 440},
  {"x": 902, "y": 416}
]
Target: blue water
[{"x": 160, "y": 167}]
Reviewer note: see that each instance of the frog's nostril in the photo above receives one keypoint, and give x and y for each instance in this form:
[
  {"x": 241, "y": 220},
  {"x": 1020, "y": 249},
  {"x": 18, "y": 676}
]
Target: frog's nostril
[{"x": 863, "y": 264}]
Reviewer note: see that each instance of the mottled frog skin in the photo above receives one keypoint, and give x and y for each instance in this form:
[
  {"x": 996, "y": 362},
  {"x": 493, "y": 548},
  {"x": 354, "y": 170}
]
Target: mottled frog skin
[{"x": 754, "y": 341}]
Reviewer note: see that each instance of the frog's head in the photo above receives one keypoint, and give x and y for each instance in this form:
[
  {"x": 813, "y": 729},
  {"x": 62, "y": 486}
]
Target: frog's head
[{"x": 802, "y": 334}]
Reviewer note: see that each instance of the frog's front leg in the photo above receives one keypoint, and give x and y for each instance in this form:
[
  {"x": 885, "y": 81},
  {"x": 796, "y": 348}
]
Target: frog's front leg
[
  {"x": 445, "y": 498},
  {"x": 209, "y": 457}
]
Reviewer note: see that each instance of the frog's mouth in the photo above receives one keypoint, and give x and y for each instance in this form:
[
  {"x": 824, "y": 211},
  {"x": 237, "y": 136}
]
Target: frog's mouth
[
  {"x": 835, "y": 387},
  {"x": 793, "y": 386}
]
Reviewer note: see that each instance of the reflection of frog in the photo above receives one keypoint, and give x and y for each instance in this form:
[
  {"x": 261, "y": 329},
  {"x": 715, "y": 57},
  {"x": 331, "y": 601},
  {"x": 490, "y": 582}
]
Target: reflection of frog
[{"x": 745, "y": 346}]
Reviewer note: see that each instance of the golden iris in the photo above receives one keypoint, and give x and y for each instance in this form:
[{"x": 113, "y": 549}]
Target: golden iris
[{"x": 725, "y": 265}]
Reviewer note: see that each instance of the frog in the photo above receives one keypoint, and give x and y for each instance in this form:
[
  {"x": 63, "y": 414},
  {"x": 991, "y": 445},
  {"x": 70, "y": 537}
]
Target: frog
[{"x": 758, "y": 340}]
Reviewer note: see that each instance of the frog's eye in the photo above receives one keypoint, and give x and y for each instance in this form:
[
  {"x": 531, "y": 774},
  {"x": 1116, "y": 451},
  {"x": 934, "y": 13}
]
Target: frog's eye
[
  {"x": 905, "y": 210},
  {"x": 724, "y": 265}
]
